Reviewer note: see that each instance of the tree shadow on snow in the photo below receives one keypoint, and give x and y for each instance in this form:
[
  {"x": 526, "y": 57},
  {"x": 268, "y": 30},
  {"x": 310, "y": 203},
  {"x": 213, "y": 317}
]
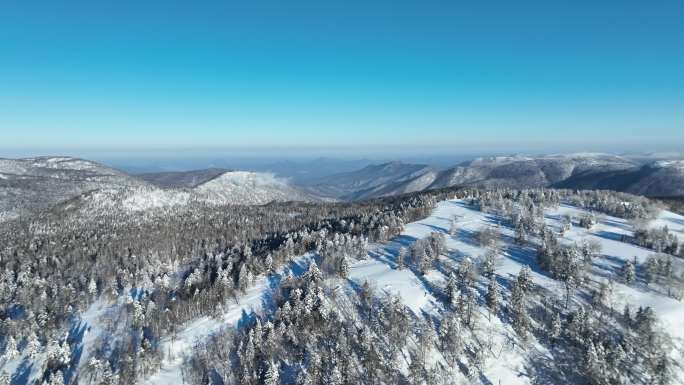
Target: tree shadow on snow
[
  {"x": 496, "y": 220},
  {"x": 434, "y": 228},
  {"x": 609, "y": 235},
  {"x": 469, "y": 237},
  {"x": 614, "y": 223},
  {"x": 464, "y": 205},
  {"x": 525, "y": 255},
  {"x": 391, "y": 250},
  {"x": 545, "y": 370},
  {"x": 296, "y": 267},
  {"x": 246, "y": 319},
  {"x": 21, "y": 375}
]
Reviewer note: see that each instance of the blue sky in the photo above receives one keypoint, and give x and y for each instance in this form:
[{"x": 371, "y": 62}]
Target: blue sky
[{"x": 213, "y": 75}]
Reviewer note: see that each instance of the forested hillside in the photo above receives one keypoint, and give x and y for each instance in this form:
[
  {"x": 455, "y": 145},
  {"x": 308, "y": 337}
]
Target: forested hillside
[{"x": 447, "y": 286}]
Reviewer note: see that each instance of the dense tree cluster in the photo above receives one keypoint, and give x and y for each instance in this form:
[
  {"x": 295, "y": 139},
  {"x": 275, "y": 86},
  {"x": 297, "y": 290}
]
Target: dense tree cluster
[
  {"x": 426, "y": 251},
  {"x": 621, "y": 205},
  {"x": 181, "y": 263},
  {"x": 658, "y": 239}
]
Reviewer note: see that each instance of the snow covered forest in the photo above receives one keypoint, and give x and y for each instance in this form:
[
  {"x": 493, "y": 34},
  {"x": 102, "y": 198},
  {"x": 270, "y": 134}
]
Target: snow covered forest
[{"x": 449, "y": 286}]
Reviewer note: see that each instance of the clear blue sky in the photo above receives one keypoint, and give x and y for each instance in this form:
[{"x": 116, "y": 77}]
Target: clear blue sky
[{"x": 135, "y": 74}]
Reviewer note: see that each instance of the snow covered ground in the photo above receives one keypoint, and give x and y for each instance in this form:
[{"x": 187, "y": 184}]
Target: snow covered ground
[
  {"x": 418, "y": 292},
  {"x": 254, "y": 300}
]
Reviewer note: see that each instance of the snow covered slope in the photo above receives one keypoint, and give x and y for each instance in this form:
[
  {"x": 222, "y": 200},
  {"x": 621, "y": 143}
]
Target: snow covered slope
[
  {"x": 515, "y": 358},
  {"x": 574, "y": 171},
  {"x": 182, "y": 179},
  {"x": 512, "y": 366},
  {"x": 229, "y": 188},
  {"x": 421, "y": 293},
  {"x": 32, "y": 184},
  {"x": 244, "y": 187},
  {"x": 376, "y": 180}
]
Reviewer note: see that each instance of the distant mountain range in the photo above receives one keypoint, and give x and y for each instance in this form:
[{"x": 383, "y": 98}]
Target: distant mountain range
[
  {"x": 661, "y": 178},
  {"x": 34, "y": 184}
]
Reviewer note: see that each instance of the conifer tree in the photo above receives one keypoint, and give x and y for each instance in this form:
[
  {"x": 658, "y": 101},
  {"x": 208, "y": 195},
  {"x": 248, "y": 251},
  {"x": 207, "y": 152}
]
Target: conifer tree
[{"x": 493, "y": 296}]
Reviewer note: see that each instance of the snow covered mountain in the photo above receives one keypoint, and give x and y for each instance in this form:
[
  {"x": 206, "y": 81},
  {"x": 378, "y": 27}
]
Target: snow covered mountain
[
  {"x": 522, "y": 171},
  {"x": 228, "y": 188},
  {"x": 180, "y": 179},
  {"x": 34, "y": 184},
  {"x": 244, "y": 187},
  {"x": 376, "y": 180},
  {"x": 31, "y": 184},
  {"x": 656, "y": 179},
  {"x": 575, "y": 171}
]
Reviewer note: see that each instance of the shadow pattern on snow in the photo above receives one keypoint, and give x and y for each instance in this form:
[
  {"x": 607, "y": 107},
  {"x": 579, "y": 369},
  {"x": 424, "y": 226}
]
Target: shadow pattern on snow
[{"x": 21, "y": 375}]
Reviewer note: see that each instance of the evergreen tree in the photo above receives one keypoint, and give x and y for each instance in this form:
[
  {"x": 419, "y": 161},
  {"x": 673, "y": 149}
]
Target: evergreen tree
[
  {"x": 11, "y": 350},
  {"x": 488, "y": 263},
  {"x": 521, "y": 321},
  {"x": 401, "y": 258},
  {"x": 493, "y": 296},
  {"x": 416, "y": 368},
  {"x": 651, "y": 270},
  {"x": 555, "y": 329},
  {"x": 524, "y": 279},
  {"x": 520, "y": 234},
  {"x": 628, "y": 272},
  {"x": 32, "y": 344},
  {"x": 92, "y": 288},
  {"x": 451, "y": 290},
  {"x": 272, "y": 375}
]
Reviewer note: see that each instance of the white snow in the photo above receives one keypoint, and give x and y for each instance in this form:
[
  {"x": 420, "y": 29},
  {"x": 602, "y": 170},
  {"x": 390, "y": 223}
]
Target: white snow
[
  {"x": 244, "y": 187},
  {"x": 673, "y": 221},
  {"x": 153, "y": 198},
  {"x": 508, "y": 368},
  {"x": 175, "y": 349},
  {"x": 511, "y": 359},
  {"x": 676, "y": 164}
]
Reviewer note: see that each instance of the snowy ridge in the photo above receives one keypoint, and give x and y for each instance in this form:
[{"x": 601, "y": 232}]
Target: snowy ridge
[
  {"x": 417, "y": 292},
  {"x": 34, "y": 184},
  {"x": 244, "y": 187},
  {"x": 511, "y": 365},
  {"x": 574, "y": 171},
  {"x": 230, "y": 188},
  {"x": 676, "y": 164}
]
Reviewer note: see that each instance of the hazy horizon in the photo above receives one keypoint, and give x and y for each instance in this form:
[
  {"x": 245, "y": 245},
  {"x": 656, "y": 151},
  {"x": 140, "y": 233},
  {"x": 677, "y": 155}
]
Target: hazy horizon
[{"x": 301, "y": 164}]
